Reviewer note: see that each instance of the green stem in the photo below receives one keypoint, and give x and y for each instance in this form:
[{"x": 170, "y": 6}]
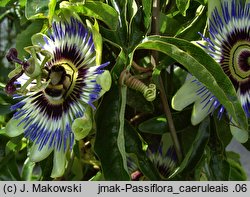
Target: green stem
[
  {"x": 170, "y": 121},
  {"x": 120, "y": 137},
  {"x": 164, "y": 99}
]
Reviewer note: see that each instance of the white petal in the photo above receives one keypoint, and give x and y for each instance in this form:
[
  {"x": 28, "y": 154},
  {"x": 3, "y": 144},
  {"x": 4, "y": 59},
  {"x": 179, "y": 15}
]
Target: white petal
[
  {"x": 185, "y": 95},
  {"x": 37, "y": 155}
]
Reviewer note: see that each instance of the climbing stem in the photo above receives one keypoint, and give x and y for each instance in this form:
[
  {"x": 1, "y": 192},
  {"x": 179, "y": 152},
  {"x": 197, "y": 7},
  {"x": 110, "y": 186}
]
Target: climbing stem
[{"x": 170, "y": 121}]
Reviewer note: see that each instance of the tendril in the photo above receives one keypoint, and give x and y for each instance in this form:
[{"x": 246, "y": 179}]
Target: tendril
[{"x": 149, "y": 92}]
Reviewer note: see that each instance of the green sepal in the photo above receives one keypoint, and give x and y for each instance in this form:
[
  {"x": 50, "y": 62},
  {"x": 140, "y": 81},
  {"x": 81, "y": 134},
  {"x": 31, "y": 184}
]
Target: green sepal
[
  {"x": 105, "y": 81},
  {"x": 59, "y": 164},
  {"x": 83, "y": 125},
  {"x": 240, "y": 135}
]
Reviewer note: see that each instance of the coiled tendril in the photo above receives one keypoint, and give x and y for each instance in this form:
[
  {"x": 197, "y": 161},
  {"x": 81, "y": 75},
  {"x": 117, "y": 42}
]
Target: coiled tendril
[{"x": 149, "y": 92}]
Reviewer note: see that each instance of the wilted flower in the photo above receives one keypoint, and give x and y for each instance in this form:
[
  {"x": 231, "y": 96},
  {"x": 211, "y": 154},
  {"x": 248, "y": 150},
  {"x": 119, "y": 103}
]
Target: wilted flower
[
  {"x": 229, "y": 45},
  {"x": 58, "y": 83}
]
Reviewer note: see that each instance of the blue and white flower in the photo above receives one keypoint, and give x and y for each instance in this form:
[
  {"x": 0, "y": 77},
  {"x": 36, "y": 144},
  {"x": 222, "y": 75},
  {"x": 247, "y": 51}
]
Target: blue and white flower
[
  {"x": 68, "y": 84},
  {"x": 229, "y": 45}
]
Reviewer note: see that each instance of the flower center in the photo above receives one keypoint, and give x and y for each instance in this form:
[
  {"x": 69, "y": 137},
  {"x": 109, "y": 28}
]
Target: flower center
[
  {"x": 239, "y": 62},
  {"x": 62, "y": 79}
]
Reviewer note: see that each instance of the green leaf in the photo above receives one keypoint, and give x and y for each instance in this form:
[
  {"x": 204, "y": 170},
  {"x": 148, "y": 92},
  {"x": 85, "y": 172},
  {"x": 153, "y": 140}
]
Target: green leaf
[
  {"x": 3, "y": 141},
  {"x": 22, "y": 2},
  {"x": 5, "y": 158},
  {"x": 132, "y": 9},
  {"x": 222, "y": 126},
  {"x": 12, "y": 169},
  {"x": 158, "y": 125},
  {"x": 9, "y": 169},
  {"x": 24, "y": 38},
  {"x": 218, "y": 166},
  {"x": 199, "y": 174},
  {"x": 119, "y": 66},
  {"x": 167, "y": 21},
  {"x": 97, "y": 177},
  {"x": 95, "y": 9},
  {"x": 136, "y": 29},
  {"x": 52, "y": 7},
  {"x": 10, "y": 3},
  {"x": 197, "y": 24},
  {"x": 138, "y": 102},
  {"x": 77, "y": 169},
  {"x": 120, "y": 36},
  {"x": 15, "y": 144},
  {"x": 196, "y": 150},
  {"x": 204, "y": 68},
  {"x": 237, "y": 172},
  {"x": 5, "y": 109},
  {"x": 183, "y": 5},
  {"x": 147, "y": 8},
  {"x": 46, "y": 167},
  {"x": 121, "y": 135},
  {"x": 5, "y": 99},
  {"x": 36, "y": 9},
  {"x": 106, "y": 143},
  {"x": 3, "y": 3}
]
